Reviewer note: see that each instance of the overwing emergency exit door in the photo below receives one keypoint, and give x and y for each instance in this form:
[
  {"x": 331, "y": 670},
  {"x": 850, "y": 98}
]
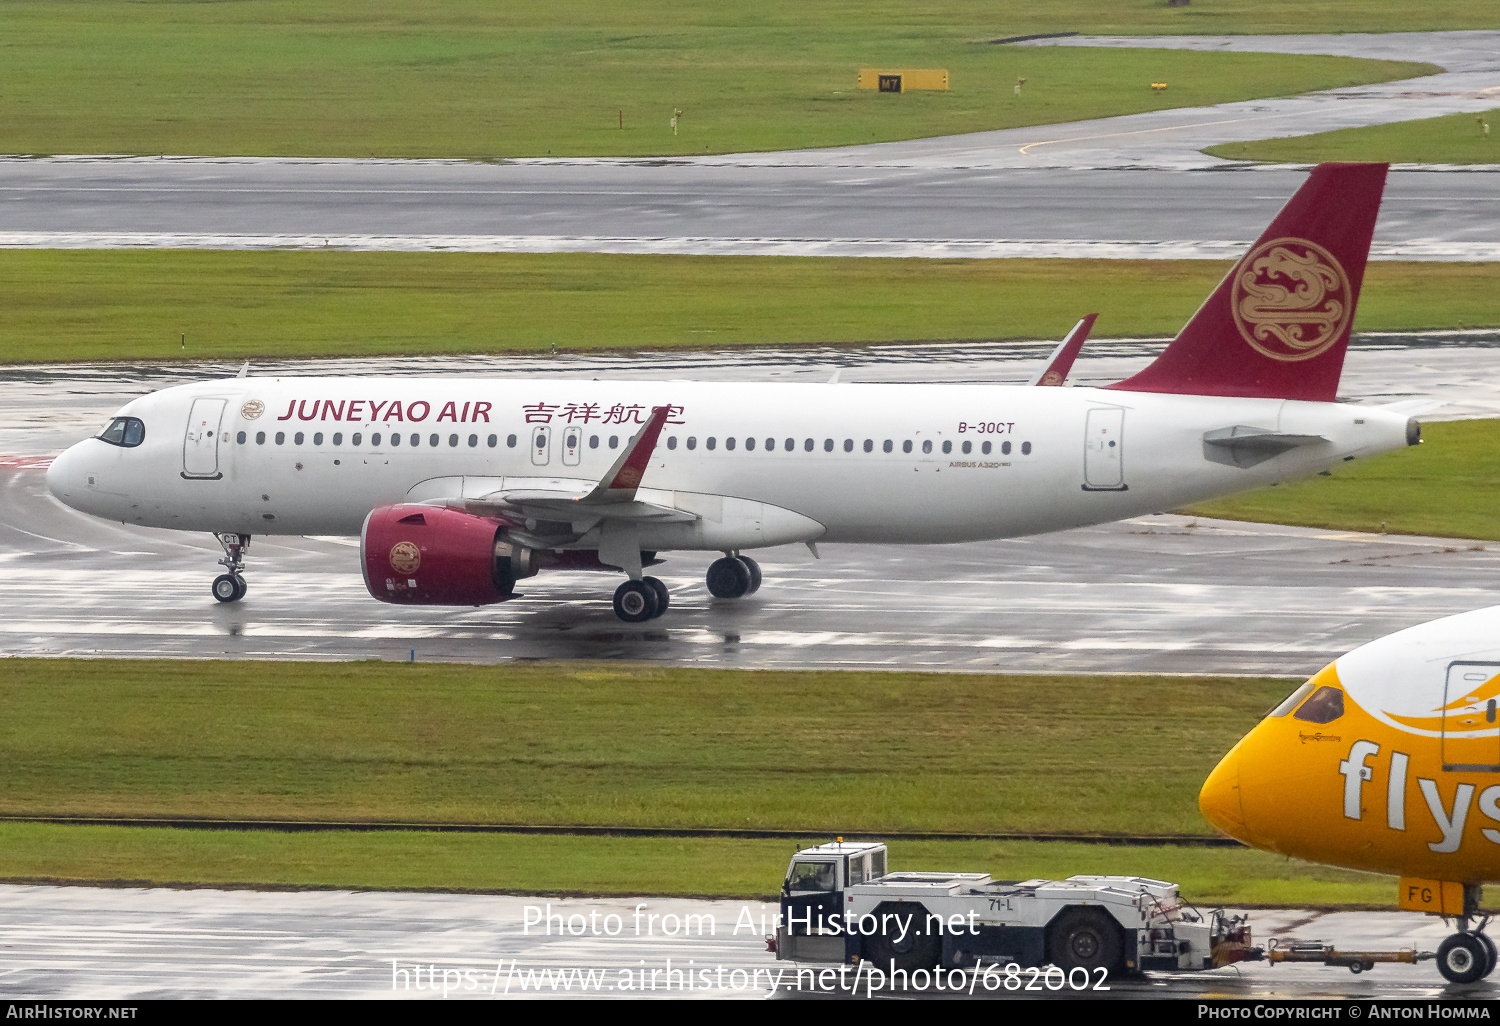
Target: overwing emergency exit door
[
  {"x": 1104, "y": 451},
  {"x": 200, "y": 446}
]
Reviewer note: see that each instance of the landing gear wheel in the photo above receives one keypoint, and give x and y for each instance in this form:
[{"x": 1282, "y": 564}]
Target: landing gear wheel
[
  {"x": 1489, "y": 947},
  {"x": 1085, "y": 938},
  {"x": 754, "y": 569},
  {"x": 241, "y": 586},
  {"x": 228, "y": 588},
  {"x": 728, "y": 578},
  {"x": 1463, "y": 958},
  {"x": 635, "y": 602},
  {"x": 663, "y": 599}
]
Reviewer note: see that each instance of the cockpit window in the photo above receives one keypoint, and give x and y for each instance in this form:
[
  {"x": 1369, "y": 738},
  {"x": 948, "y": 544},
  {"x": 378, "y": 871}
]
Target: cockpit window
[
  {"x": 1291, "y": 701},
  {"x": 1325, "y": 706},
  {"x": 124, "y": 431}
]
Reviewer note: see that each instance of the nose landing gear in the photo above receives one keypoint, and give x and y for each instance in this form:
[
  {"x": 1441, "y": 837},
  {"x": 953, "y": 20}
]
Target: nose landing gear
[
  {"x": 1468, "y": 956},
  {"x": 231, "y": 587}
]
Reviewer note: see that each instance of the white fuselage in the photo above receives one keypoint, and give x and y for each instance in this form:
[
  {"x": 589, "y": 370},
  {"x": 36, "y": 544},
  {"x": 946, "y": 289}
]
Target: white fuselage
[{"x": 903, "y": 463}]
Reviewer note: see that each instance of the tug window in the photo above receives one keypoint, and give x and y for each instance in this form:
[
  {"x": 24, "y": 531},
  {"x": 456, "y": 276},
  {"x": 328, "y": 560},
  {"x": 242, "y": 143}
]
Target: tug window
[
  {"x": 1325, "y": 706},
  {"x": 813, "y": 876}
]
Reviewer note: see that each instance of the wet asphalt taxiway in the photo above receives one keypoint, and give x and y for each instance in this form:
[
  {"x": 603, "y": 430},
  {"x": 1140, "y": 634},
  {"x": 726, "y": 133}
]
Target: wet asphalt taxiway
[{"x": 85, "y": 943}]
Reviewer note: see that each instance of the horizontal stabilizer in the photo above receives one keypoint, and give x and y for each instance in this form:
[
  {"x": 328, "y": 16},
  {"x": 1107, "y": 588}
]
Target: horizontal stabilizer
[{"x": 1245, "y": 446}]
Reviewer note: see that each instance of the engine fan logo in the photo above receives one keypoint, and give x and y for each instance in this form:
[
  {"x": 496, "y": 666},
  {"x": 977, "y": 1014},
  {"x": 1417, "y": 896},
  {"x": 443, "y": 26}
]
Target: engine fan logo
[
  {"x": 1291, "y": 300},
  {"x": 405, "y": 557},
  {"x": 253, "y": 409}
]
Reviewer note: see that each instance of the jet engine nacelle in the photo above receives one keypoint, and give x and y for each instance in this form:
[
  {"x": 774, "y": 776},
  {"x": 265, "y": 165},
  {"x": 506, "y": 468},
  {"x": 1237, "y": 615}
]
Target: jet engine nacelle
[{"x": 434, "y": 556}]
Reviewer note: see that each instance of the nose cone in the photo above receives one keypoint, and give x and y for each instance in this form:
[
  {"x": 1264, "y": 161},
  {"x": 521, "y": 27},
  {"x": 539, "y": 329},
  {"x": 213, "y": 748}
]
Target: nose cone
[
  {"x": 65, "y": 477},
  {"x": 1220, "y": 798}
]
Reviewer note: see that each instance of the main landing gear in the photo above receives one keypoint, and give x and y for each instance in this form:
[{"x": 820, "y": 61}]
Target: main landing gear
[
  {"x": 639, "y": 601},
  {"x": 1468, "y": 956},
  {"x": 231, "y": 587},
  {"x": 733, "y": 577}
]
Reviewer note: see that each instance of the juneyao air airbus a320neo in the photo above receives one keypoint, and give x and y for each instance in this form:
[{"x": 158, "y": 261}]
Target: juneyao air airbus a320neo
[
  {"x": 461, "y": 487},
  {"x": 1387, "y": 760}
]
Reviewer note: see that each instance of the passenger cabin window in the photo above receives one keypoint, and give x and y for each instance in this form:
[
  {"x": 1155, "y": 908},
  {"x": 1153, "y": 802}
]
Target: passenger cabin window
[
  {"x": 240, "y": 438},
  {"x": 906, "y": 445},
  {"x": 671, "y": 441},
  {"x": 729, "y": 443},
  {"x": 692, "y": 442},
  {"x": 354, "y": 439},
  {"x": 492, "y": 440},
  {"x": 813, "y": 876},
  {"x": 985, "y": 448},
  {"x": 947, "y": 448},
  {"x": 1325, "y": 706},
  {"x": 297, "y": 438},
  {"x": 927, "y": 446},
  {"x": 510, "y": 441},
  {"x": 318, "y": 438},
  {"x": 1005, "y": 448},
  {"x": 126, "y": 432}
]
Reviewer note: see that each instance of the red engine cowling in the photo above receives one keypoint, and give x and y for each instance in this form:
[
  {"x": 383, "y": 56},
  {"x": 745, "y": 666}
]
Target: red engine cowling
[{"x": 433, "y": 556}]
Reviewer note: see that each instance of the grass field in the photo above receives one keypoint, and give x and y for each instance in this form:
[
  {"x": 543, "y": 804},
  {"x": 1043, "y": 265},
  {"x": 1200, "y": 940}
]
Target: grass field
[
  {"x": 614, "y": 745},
  {"x": 1449, "y": 486},
  {"x": 1452, "y": 139},
  {"x": 602, "y": 745},
  {"x": 125, "y": 305},
  {"x": 533, "y": 864},
  {"x": 478, "y": 80}
]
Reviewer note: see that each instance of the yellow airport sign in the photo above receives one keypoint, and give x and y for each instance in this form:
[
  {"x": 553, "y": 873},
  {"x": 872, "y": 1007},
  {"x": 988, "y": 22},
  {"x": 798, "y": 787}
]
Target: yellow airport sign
[{"x": 903, "y": 80}]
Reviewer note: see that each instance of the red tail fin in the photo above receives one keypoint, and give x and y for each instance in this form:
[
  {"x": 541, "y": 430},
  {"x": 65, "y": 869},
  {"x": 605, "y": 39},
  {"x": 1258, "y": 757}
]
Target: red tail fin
[{"x": 1278, "y": 325}]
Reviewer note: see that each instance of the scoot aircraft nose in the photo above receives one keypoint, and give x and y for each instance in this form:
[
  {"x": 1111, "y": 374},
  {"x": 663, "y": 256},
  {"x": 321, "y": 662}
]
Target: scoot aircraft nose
[{"x": 1220, "y": 798}]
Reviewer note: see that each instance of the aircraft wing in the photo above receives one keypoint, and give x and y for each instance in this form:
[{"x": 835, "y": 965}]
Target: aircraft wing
[
  {"x": 550, "y": 511},
  {"x": 1055, "y": 370}
]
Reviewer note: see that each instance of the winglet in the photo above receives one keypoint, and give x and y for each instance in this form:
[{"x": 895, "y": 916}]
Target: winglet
[
  {"x": 1055, "y": 370},
  {"x": 622, "y": 479}
]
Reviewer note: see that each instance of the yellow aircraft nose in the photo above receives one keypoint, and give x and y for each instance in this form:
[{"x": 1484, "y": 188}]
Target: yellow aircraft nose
[{"x": 1220, "y": 798}]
